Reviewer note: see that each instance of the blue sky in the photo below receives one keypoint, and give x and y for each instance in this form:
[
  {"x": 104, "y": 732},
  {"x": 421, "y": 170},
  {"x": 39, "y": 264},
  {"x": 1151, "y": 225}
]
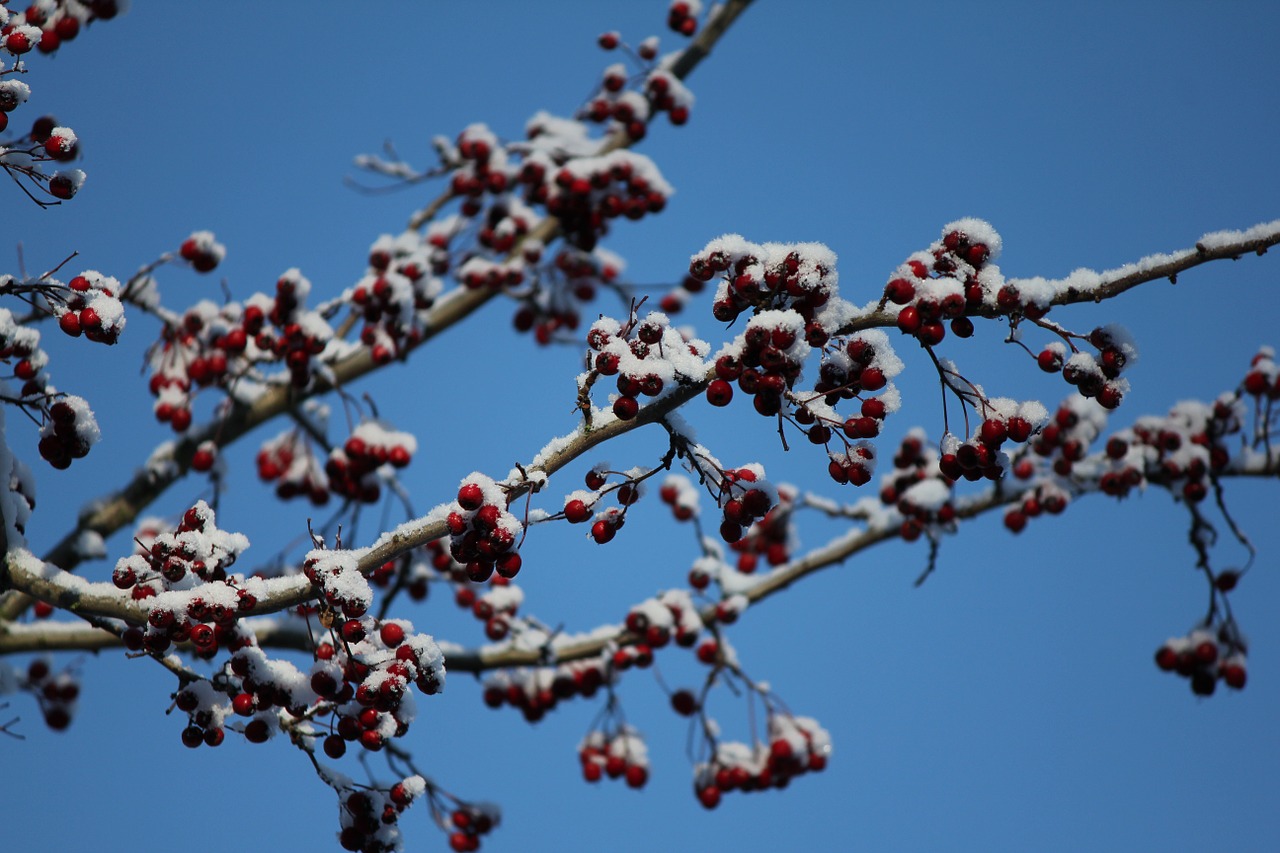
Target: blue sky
[{"x": 1008, "y": 704}]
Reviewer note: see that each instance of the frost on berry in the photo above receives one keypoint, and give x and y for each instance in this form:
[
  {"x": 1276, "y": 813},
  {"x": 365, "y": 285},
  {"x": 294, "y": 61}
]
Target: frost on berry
[{"x": 202, "y": 251}]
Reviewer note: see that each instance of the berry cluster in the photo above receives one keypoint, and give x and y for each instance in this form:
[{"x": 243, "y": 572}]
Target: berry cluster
[
  {"x": 92, "y": 308},
  {"x": 20, "y": 346},
  {"x": 470, "y": 823},
  {"x": 1205, "y": 657},
  {"x": 535, "y": 691},
  {"x": 55, "y": 692},
  {"x": 679, "y": 493},
  {"x": 588, "y": 191},
  {"x": 1184, "y": 449},
  {"x": 496, "y": 608},
  {"x": 656, "y": 622},
  {"x": 1045, "y": 497},
  {"x": 45, "y": 25},
  {"x": 370, "y": 817},
  {"x": 1066, "y": 437},
  {"x": 289, "y": 459},
  {"x": 950, "y": 280},
  {"x": 366, "y": 673},
  {"x": 981, "y": 456},
  {"x": 797, "y": 277},
  {"x": 646, "y": 355},
  {"x": 861, "y": 364},
  {"x": 483, "y": 532},
  {"x": 682, "y": 16},
  {"x": 630, "y": 109},
  {"x": 759, "y": 517},
  {"x": 352, "y": 468},
  {"x": 411, "y": 258},
  {"x": 1263, "y": 379},
  {"x": 202, "y": 251},
  {"x": 797, "y": 745},
  {"x": 616, "y": 754},
  {"x": 578, "y": 505},
  {"x": 479, "y": 166},
  {"x": 69, "y": 431},
  {"x": 336, "y": 576},
  {"x": 1097, "y": 377},
  {"x": 573, "y": 277},
  {"x": 300, "y": 335},
  {"x": 183, "y": 574},
  {"x": 767, "y": 364},
  {"x": 48, "y": 24}
]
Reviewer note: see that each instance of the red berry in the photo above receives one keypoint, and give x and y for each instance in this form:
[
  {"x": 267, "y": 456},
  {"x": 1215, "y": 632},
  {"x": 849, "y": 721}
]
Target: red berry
[
  {"x": 470, "y": 496},
  {"x": 719, "y": 393},
  {"x": 625, "y": 408},
  {"x": 392, "y": 634},
  {"x": 17, "y": 43}
]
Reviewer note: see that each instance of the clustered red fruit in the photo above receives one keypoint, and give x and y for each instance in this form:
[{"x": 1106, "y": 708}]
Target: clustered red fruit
[
  {"x": 1097, "y": 377},
  {"x": 918, "y": 490},
  {"x": 352, "y": 468},
  {"x": 658, "y": 621},
  {"x": 1066, "y": 437},
  {"x": 767, "y": 536},
  {"x": 679, "y": 494},
  {"x": 204, "y": 615},
  {"x": 587, "y": 193},
  {"x": 289, "y": 459},
  {"x": 800, "y": 278},
  {"x": 631, "y": 108},
  {"x": 469, "y": 823},
  {"x": 981, "y": 456},
  {"x": 336, "y": 576},
  {"x": 796, "y": 746},
  {"x": 682, "y": 16},
  {"x": 301, "y": 335},
  {"x": 575, "y": 277},
  {"x": 49, "y": 24},
  {"x": 766, "y": 366},
  {"x": 538, "y": 690},
  {"x": 615, "y": 754},
  {"x": 743, "y": 494},
  {"x": 1184, "y": 449},
  {"x": 69, "y": 431},
  {"x": 854, "y": 465},
  {"x": 92, "y": 308},
  {"x": 578, "y": 505},
  {"x": 1206, "y": 657},
  {"x": 1044, "y": 498},
  {"x": 483, "y": 534},
  {"x": 202, "y": 251},
  {"x": 646, "y": 355},
  {"x": 1263, "y": 379},
  {"x": 370, "y": 816},
  {"x": 20, "y": 346},
  {"x": 366, "y": 672},
  {"x": 212, "y": 345},
  {"x": 400, "y": 282},
  {"x": 950, "y": 281},
  {"x": 56, "y": 693}
]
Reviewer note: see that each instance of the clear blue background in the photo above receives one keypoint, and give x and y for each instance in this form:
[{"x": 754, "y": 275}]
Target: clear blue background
[{"x": 1009, "y": 704}]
